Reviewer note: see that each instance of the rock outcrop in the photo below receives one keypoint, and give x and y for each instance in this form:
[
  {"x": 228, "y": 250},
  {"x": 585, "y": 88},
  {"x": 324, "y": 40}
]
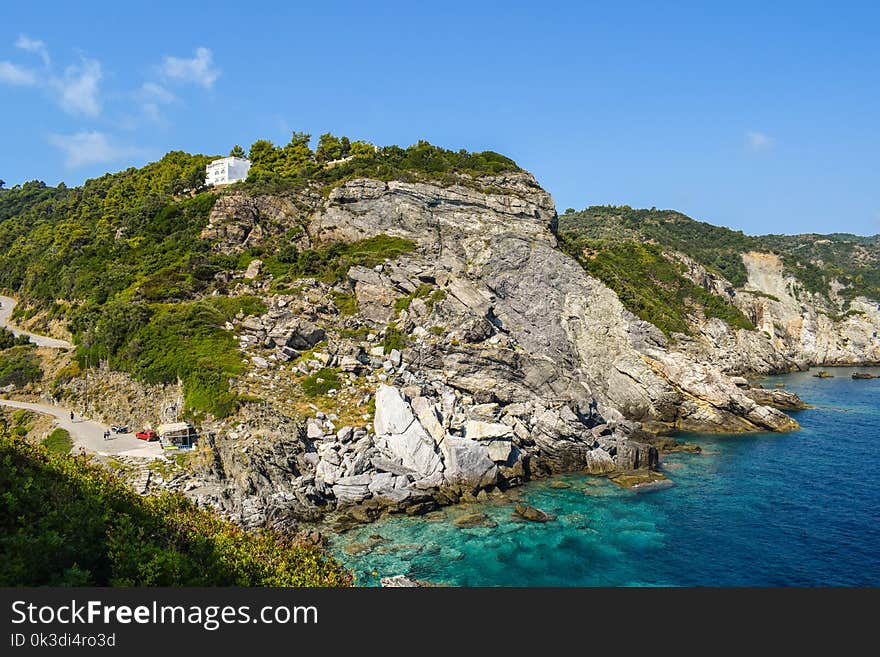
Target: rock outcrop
[{"x": 490, "y": 358}]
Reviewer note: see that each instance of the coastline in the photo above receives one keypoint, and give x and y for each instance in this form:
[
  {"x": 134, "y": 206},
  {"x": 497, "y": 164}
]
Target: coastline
[{"x": 690, "y": 475}]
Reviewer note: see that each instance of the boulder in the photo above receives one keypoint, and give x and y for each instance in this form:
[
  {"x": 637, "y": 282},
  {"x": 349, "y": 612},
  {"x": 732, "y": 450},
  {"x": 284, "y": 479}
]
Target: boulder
[
  {"x": 348, "y": 495},
  {"x": 401, "y": 437},
  {"x": 532, "y": 514},
  {"x": 386, "y": 465},
  {"x": 500, "y": 450},
  {"x": 397, "y": 582},
  {"x": 468, "y": 462},
  {"x": 598, "y": 461},
  {"x": 254, "y": 269},
  {"x": 479, "y": 430},
  {"x": 429, "y": 416},
  {"x": 475, "y": 519}
]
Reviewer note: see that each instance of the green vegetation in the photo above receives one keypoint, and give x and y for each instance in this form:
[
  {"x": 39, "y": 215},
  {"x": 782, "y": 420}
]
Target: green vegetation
[
  {"x": 67, "y": 522},
  {"x": 764, "y": 295},
  {"x": 423, "y": 291},
  {"x": 295, "y": 164},
  {"x": 815, "y": 260},
  {"x": 394, "y": 338},
  {"x": 8, "y": 339},
  {"x": 346, "y": 303},
  {"x": 331, "y": 263},
  {"x": 58, "y": 442},
  {"x": 19, "y": 366},
  {"x": 161, "y": 343},
  {"x": 321, "y": 382},
  {"x": 652, "y": 286},
  {"x": 716, "y": 248}
]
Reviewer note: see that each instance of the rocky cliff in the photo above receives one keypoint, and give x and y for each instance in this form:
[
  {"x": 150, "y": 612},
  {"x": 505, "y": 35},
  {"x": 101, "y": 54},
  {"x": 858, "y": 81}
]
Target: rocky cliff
[
  {"x": 489, "y": 355},
  {"x": 795, "y": 329}
]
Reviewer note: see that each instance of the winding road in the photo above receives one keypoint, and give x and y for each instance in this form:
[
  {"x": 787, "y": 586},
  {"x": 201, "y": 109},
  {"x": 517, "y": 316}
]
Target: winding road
[
  {"x": 87, "y": 435},
  {"x": 7, "y": 305}
]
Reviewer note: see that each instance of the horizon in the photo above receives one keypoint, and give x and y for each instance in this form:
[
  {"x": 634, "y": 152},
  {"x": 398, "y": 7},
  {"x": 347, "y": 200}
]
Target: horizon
[{"x": 730, "y": 116}]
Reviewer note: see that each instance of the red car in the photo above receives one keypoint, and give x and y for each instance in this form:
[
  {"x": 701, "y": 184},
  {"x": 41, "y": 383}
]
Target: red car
[{"x": 148, "y": 435}]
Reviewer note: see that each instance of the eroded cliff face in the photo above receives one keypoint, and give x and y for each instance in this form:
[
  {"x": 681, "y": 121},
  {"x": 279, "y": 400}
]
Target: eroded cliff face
[
  {"x": 795, "y": 328},
  {"x": 495, "y": 255},
  {"x": 508, "y": 360}
]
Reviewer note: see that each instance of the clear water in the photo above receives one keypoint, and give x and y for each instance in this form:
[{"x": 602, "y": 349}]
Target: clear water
[{"x": 797, "y": 509}]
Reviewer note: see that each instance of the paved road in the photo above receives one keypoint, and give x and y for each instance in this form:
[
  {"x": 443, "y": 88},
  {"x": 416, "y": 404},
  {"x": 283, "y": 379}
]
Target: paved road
[
  {"x": 7, "y": 304},
  {"x": 86, "y": 434},
  {"x": 89, "y": 435}
]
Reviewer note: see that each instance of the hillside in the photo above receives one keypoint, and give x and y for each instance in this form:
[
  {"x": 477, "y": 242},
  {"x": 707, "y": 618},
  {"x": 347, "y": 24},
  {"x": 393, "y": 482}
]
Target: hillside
[
  {"x": 358, "y": 331},
  {"x": 67, "y": 522},
  {"x": 815, "y": 260}
]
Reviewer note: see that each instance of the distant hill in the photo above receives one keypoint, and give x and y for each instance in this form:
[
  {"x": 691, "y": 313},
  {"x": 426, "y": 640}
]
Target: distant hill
[{"x": 815, "y": 260}]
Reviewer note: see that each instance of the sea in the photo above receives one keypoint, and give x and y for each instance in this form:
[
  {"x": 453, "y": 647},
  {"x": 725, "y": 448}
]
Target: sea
[{"x": 794, "y": 509}]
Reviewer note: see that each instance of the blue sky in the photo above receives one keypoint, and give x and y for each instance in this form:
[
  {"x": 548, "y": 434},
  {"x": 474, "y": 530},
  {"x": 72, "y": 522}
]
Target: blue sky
[{"x": 759, "y": 116}]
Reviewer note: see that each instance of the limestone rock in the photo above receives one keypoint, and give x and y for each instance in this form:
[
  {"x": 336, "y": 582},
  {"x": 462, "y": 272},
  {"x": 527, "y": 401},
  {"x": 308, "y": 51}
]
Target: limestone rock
[
  {"x": 478, "y": 430},
  {"x": 401, "y": 436},
  {"x": 254, "y": 269},
  {"x": 468, "y": 462}
]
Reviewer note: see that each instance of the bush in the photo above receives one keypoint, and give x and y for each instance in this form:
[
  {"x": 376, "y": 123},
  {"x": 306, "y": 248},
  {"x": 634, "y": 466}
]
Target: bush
[
  {"x": 321, "y": 382},
  {"x": 58, "y": 442},
  {"x": 19, "y": 366},
  {"x": 159, "y": 343},
  {"x": 9, "y": 339},
  {"x": 96, "y": 531}
]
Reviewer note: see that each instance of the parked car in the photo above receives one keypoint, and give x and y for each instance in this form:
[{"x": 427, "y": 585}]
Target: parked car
[
  {"x": 147, "y": 434},
  {"x": 119, "y": 428}
]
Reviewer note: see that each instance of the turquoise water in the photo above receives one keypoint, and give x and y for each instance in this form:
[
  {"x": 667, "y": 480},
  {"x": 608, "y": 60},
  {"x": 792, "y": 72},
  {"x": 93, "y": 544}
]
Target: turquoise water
[{"x": 793, "y": 509}]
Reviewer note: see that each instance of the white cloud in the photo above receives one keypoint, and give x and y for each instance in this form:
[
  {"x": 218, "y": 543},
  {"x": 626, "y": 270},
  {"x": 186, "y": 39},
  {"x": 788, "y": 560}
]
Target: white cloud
[
  {"x": 12, "y": 74},
  {"x": 152, "y": 92},
  {"x": 78, "y": 89},
  {"x": 85, "y": 148},
  {"x": 152, "y": 97},
  {"x": 199, "y": 70},
  {"x": 35, "y": 46},
  {"x": 759, "y": 141}
]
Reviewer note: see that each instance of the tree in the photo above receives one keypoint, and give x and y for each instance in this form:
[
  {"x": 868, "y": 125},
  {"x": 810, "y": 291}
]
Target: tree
[
  {"x": 264, "y": 156},
  {"x": 361, "y": 148},
  {"x": 569, "y": 210},
  {"x": 329, "y": 148},
  {"x": 237, "y": 151},
  {"x": 2, "y": 183},
  {"x": 296, "y": 155}
]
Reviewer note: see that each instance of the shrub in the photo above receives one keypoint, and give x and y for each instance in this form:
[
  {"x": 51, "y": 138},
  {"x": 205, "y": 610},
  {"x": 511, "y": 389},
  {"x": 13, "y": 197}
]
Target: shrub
[
  {"x": 321, "y": 382},
  {"x": 58, "y": 441},
  {"x": 97, "y": 531},
  {"x": 19, "y": 366}
]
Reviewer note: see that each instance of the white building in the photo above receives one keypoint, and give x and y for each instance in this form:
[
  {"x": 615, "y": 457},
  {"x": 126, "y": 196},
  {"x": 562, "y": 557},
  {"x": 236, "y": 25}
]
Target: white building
[{"x": 227, "y": 170}]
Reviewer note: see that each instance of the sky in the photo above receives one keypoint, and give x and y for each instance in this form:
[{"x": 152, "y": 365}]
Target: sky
[{"x": 758, "y": 116}]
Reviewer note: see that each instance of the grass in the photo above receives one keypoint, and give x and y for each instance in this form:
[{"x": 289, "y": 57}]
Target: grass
[
  {"x": 58, "y": 442},
  {"x": 394, "y": 339},
  {"x": 321, "y": 382},
  {"x": 345, "y": 303}
]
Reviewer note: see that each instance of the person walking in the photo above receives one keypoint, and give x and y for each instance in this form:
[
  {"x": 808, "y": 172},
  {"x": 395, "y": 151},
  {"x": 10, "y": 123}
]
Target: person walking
[{"x": 71, "y": 416}]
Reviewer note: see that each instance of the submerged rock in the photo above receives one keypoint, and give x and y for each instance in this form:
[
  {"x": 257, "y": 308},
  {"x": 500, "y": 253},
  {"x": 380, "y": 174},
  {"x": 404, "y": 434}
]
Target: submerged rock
[
  {"x": 476, "y": 519},
  {"x": 532, "y": 514},
  {"x": 636, "y": 479}
]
